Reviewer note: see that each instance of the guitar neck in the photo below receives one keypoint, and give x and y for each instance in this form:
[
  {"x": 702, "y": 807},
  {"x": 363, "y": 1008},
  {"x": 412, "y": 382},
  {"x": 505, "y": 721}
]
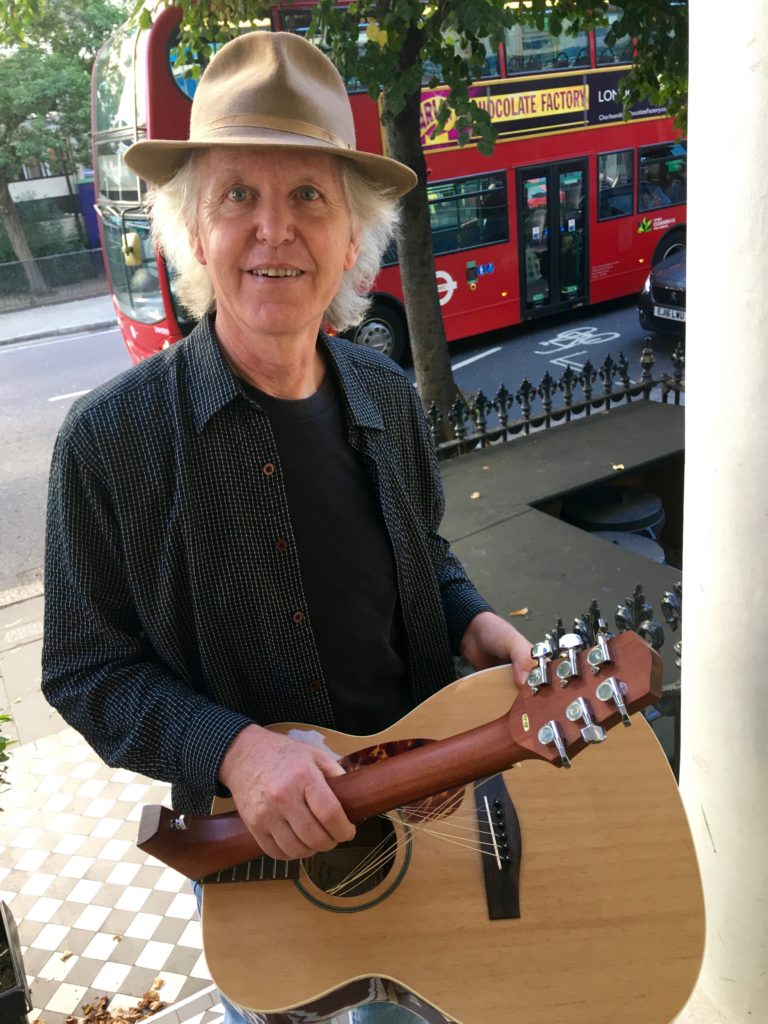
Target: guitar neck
[{"x": 205, "y": 844}]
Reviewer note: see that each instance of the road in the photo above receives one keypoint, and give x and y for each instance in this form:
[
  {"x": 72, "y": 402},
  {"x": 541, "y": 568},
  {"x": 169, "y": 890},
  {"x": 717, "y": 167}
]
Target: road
[{"x": 40, "y": 379}]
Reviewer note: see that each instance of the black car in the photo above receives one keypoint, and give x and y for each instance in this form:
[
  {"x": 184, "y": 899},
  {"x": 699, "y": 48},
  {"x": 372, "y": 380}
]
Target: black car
[{"x": 661, "y": 306}]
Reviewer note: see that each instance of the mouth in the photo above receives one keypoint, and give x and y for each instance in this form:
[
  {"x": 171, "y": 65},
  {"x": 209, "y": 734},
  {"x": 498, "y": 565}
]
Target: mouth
[{"x": 275, "y": 272}]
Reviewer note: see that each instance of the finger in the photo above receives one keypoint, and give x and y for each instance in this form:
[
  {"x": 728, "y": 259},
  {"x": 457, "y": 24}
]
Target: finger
[
  {"x": 324, "y": 805},
  {"x": 288, "y": 844}
]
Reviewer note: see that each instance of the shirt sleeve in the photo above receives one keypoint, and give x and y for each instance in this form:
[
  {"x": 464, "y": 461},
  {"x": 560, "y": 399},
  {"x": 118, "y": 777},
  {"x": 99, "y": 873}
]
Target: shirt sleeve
[{"x": 99, "y": 668}]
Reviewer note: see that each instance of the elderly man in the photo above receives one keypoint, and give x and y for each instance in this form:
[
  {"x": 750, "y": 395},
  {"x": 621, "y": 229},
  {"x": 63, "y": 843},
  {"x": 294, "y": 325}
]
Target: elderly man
[{"x": 242, "y": 530}]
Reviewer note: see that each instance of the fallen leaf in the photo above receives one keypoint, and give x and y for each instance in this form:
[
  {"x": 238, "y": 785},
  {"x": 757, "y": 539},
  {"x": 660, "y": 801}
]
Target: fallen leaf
[
  {"x": 486, "y": 467},
  {"x": 158, "y": 983},
  {"x": 474, "y": 495},
  {"x": 66, "y": 954},
  {"x": 519, "y": 611},
  {"x": 117, "y": 938},
  {"x": 618, "y": 465}
]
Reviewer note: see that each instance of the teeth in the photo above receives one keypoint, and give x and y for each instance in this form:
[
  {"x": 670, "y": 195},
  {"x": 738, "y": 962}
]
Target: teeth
[{"x": 275, "y": 272}]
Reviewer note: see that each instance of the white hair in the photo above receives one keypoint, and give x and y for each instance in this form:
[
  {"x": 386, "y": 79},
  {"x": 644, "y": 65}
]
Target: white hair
[{"x": 373, "y": 210}]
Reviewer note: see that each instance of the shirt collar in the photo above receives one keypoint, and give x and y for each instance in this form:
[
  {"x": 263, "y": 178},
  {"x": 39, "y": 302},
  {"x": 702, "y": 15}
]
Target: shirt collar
[{"x": 212, "y": 384}]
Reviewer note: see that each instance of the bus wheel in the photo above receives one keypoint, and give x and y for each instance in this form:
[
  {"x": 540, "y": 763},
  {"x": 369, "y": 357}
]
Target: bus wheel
[
  {"x": 383, "y": 329},
  {"x": 672, "y": 242}
]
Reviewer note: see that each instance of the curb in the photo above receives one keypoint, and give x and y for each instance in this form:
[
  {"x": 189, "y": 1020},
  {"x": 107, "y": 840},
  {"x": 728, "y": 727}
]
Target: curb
[
  {"x": 25, "y": 592},
  {"x": 99, "y": 325}
]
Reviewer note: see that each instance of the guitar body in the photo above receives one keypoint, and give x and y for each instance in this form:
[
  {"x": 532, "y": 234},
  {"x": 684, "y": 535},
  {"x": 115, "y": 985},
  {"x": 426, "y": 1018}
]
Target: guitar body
[{"x": 611, "y": 924}]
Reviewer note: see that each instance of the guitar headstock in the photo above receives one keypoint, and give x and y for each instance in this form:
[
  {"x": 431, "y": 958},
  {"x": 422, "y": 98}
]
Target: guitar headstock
[{"x": 576, "y": 694}]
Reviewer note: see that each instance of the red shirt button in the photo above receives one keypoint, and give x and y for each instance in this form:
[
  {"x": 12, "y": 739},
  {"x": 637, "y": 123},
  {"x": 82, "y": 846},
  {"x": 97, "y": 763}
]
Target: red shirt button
[
  {"x": 268, "y": 468},
  {"x": 315, "y": 685},
  {"x": 281, "y": 544},
  {"x": 298, "y": 617}
]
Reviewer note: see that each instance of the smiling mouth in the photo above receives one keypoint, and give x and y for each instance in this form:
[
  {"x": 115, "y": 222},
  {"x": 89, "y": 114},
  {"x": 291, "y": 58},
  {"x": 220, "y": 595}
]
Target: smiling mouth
[{"x": 275, "y": 272}]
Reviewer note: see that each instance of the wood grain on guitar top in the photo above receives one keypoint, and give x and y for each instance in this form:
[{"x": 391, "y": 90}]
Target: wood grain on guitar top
[{"x": 611, "y": 927}]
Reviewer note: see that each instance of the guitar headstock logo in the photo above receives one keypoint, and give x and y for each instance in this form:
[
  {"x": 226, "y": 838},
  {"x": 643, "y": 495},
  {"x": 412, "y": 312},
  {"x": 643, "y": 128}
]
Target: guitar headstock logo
[{"x": 526, "y": 723}]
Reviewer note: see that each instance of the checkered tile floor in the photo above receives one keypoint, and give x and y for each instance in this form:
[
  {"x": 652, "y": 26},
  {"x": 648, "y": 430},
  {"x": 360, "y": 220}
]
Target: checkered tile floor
[{"x": 95, "y": 915}]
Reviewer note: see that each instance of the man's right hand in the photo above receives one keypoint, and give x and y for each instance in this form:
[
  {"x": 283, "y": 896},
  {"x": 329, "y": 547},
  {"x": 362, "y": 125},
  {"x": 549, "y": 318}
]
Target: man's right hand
[{"x": 280, "y": 790}]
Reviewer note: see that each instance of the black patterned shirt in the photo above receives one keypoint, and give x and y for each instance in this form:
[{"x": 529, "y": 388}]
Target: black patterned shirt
[{"x": 174, "y": 610}]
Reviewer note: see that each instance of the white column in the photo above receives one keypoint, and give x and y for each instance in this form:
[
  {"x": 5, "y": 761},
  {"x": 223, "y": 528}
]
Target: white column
[{"x": 724, "y": 765}]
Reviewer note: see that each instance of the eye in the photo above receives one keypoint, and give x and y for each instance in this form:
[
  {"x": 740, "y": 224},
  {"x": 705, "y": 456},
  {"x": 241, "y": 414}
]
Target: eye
[
  {"x": 308, "y": 193},
  {"x": 238, "y": 194}
]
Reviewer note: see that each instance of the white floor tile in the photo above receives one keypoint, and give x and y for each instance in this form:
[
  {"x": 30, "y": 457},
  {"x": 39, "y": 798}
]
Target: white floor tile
[
  {"x": 66, "y": 998},
  {"x": 183, "y": 905},
  {"x": 84, "y": 891},
  {"x": 58, "y": 803},
  {"x": 100, "y": 947},
  {"x": 133, "y": 898},
  {"x": 51, "y": 937},
  {"x": 115, "y": 849},
  {"x": 200, "y": 970},
  {"x": 154, "y": 955},
  {"x": 70, "y": 843},
  {"x": 99, "y": 808},
  {"x": 110, "y": 977},
  {"x": 106, "y": 828},
  {"x": 36, "y": 884},
  {"x": 123, "y": 874},
  {"x": 92, "y": 788},
  {"x": 143, "y": 926},
  {"x": 134, "y": 793},
  {"x": 31, "y": 860},
  {"x": 172, "y": 985},
  {"x": 43, "y": 910},
  {"x": 92, "y": 918},
  {"x": 192, "y": 936},
  {"x": 26, "y": 838},
  {"x": 56, "y": 969},
  {"x": 76, "y": 867},
  {"x": 170, "y": 881}
]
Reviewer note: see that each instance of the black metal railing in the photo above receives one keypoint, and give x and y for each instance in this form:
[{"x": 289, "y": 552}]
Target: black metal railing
[
  {"x": 479, "y": 421},
  {"x": 48, "y": 279}
]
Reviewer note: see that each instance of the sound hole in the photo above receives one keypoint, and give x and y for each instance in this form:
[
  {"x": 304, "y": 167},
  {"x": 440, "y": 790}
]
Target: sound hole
[{"x": 357, "y": 867}]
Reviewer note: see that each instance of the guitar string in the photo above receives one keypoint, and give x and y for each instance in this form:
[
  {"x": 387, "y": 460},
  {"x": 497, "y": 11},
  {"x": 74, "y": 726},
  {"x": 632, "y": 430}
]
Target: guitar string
[{"x": 383, "y": 853}]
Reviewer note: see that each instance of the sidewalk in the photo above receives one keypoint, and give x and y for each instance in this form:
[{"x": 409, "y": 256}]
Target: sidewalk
[{"x": 64, "y": 318}]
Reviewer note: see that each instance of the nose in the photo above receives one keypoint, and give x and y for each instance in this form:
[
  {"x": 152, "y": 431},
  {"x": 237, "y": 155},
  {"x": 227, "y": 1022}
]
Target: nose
[{"x": 274, "y": 221}]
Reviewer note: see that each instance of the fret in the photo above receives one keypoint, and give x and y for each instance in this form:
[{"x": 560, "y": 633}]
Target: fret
[{"x": 260, "y": 869}]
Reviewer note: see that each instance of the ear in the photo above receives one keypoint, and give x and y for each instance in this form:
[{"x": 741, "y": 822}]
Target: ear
[
  {"x": 353, "y": 251},
  {"x": 197, "y": 248}
]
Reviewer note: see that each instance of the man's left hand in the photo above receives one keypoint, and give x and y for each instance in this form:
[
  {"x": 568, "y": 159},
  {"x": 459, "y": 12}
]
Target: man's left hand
[{"x": 489, "y": 640}]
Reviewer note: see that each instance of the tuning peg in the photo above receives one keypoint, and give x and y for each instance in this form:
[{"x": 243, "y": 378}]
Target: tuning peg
[
  {"x": 612, "y": 689},
  {"x": 538, "y": 676},
  {"x": 600, "y": 654},
  {"x": 570, "y": 645},
  {"x": 550, "y": 733},
  {"x": 591, "y": 732}
]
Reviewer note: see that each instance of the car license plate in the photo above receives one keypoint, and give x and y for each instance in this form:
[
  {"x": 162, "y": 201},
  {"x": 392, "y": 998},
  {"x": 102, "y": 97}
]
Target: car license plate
[{"x": 669, "y": 314}]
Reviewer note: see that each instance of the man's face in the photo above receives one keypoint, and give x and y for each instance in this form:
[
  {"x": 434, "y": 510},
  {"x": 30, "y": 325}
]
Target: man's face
[{"x": 275, "y": 233}]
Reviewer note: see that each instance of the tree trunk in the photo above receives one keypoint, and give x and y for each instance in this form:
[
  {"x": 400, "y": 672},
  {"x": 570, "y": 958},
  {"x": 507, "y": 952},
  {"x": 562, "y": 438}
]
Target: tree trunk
[
  {"x": 15, "y": 231},
  {"x": 434, "y": 378}
]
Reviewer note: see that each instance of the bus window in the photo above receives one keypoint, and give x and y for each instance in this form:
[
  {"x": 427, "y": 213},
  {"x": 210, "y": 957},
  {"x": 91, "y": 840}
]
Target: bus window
[
  {"x": 117, "y": 183},
  {"x": 468, "y": 212},
  {"x": 616, "y": 184},
  {"x": 532, "y": 50},
  {"x": 620, "y": 51},
  {"x": 136, "y": 286},
  {"x": 119, "y": 94},
  {"x": 298, "y": 22},
  {"x": 434, "y": 73},
  {"x": 661, "y": 176}
]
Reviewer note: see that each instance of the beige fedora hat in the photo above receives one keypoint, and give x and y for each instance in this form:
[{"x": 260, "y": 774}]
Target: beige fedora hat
[{"x": 270, "y": 89}]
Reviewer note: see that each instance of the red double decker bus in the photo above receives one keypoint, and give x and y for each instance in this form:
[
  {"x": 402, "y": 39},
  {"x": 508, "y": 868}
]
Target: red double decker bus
[{"x": 573, "y": 207}]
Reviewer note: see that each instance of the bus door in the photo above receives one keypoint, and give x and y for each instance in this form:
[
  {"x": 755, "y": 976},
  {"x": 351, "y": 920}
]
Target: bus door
[{"x": 552, "y": 237}]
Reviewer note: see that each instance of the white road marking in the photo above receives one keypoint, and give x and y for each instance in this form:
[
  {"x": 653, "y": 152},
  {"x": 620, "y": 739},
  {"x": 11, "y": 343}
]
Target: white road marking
[
  {"x": 54, "y": 341},
  {"x": 474, "y": 359},
  {"x": 72, "y": 394}
]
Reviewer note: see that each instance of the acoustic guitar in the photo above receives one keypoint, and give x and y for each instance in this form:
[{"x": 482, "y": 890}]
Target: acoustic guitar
[{"x": 529, "y": 897}]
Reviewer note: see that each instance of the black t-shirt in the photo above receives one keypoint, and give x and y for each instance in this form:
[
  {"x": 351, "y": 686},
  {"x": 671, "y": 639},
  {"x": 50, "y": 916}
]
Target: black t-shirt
[{"x": 347, "y": 566}]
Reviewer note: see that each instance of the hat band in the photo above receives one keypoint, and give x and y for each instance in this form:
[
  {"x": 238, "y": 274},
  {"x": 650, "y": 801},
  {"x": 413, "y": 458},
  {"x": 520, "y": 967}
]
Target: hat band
[{"x": 280, "y": 124}]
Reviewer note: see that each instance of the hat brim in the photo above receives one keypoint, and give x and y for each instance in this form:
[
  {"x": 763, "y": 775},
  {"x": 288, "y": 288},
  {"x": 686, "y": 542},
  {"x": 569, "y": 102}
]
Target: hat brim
[{"x": 158, "y": 160}]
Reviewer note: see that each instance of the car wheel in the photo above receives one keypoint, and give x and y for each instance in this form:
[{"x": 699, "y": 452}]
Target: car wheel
[
  {"x": 671, "y": 243},
  {"x": 383, "y": 329}
]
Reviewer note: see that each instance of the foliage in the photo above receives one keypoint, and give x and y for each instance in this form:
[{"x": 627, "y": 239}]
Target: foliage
[
  {"x": 45, "y": 228},
  {"x": 5, "y": 742}
]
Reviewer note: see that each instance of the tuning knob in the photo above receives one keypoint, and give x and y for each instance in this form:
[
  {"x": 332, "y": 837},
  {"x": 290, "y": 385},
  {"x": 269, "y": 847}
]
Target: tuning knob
[
  {"x": 600, "y": 654},
  {"x": 538, "y": 676},
  {"x": 550, "y": 733},
  {"x": 570, "y": 645},
  {"x": 579, "y": 710}
]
